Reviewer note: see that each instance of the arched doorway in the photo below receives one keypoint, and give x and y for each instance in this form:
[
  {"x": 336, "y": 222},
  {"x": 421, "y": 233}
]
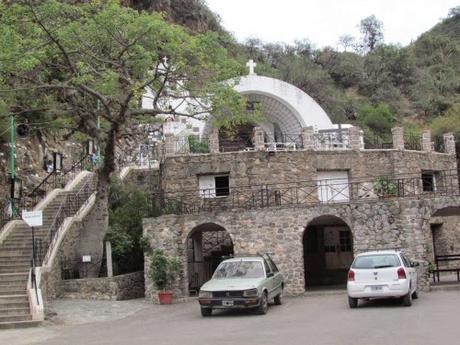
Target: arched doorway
[
  {"x": 328, "y": 252},
  {"x": 445, "y": 232},
  {"x": 207, "y": 245}
]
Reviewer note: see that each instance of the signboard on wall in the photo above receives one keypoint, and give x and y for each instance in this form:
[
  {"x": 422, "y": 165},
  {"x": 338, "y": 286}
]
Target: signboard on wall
[{"x": 33, "y": 218}]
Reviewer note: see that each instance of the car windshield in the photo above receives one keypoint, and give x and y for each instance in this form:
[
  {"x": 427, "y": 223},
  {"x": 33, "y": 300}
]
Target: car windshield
[
  {"x": 376, "y": 261},
  {"x": 240, "y": 269}
]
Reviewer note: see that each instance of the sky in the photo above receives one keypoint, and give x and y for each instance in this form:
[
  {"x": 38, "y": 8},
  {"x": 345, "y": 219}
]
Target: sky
[{"x": 324, "y": 21}]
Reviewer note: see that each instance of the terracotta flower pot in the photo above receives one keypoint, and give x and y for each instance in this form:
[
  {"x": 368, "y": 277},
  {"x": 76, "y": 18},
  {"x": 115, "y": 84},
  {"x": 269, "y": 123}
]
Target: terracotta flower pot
[{"x": 165, "y": 297}]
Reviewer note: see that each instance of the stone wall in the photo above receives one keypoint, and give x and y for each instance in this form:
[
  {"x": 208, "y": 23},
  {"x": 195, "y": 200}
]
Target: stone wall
[
  {"x": 30, "y": 155},
  {"x": 393, "y": 223},
  {"x": 180, "y": 173},
  {"x": 122, "y": 287},
  {"x": 146, "y": 179}
]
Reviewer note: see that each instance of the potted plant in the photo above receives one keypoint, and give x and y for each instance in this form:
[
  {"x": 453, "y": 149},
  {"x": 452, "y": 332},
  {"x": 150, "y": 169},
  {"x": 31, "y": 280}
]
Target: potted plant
[
  {"x": 384, "y": 187},
  {"x": 163, "y": 272}
]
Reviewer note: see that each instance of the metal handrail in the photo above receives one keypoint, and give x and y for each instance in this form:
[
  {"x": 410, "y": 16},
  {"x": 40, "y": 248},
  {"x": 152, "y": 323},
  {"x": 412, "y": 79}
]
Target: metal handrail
[
  {"x": 54, "y": 180},
  {"x": 70, "y": 205},
  {"x": 305, "y": 193}
]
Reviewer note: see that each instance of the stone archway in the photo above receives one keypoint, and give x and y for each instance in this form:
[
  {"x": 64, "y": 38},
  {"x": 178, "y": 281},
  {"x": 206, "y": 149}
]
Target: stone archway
[
  {"x": 206, "y": 246},
  {"x": 327, "y": 251}
]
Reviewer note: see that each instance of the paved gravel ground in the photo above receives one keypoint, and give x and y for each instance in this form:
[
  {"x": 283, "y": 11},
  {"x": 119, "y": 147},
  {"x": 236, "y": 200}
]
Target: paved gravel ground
[{"x": 316, "y": 320}]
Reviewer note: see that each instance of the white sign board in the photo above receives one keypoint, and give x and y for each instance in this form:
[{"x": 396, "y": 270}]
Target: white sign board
[
  {"x": 86, "y": 258},
  {"x": 33, "y": 218}
]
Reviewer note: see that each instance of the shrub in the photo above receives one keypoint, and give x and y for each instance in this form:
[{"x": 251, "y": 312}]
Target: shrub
[{"x": 163, "y": 270}]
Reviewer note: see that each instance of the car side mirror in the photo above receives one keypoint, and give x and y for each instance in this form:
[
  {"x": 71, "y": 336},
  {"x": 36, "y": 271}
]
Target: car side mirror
[{"x": 271, "y": 274}]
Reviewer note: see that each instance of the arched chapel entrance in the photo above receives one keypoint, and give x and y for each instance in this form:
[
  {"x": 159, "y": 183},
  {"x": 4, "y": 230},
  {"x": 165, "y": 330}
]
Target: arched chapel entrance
[
  {"x": 328, "y": 252},
  {"x": 207, "y": 245}
]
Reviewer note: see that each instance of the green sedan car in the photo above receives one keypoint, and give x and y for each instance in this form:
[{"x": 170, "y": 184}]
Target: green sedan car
[{"x": 248, "y": 282}]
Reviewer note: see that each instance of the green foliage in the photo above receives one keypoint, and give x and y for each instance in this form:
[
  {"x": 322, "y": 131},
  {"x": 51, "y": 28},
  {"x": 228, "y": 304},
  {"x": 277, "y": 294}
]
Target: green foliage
[
  {"x": 60, "y": 59},
  {"x": 196, "y": 145},
  {"x": 449, "y": 123},
  {"x": 378, "y": 119},
  {"x": 127, "y": 207},
  {"x": 372, "y": 32},
  {"x": 384, "y": 187},
  {"x": 163, "y": 270}
]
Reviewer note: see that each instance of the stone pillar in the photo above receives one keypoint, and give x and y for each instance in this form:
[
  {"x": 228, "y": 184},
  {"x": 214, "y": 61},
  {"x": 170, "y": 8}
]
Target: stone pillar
[
  {"x": 426, "y": 140},
  {"x": 449, "y": 143},
  {"x": 198, "y": 247},
  {"x": 308, "y": 138},
  {"x": 355, "y": 138},
  {"x": 108, "y": 255},
  {"x": 398, "y": 138},
  {"x": 258, "y": 139},
  {"x": 169, "y": 145},
  {"x": 214, "y": 141}
]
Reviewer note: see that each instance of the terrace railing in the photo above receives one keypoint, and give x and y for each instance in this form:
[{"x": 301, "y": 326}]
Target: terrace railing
[
  {"x": 332, "y": 140},
  {"x": 377, "y": 144},
  {"x": 307, "y": 193},
  {"x": 438, "y": 144},
  {"x": 412, "y": 142}
]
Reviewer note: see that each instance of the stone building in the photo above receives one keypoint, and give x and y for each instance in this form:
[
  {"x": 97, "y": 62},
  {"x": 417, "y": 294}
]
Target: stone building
[{"x": 303, "y": 189}]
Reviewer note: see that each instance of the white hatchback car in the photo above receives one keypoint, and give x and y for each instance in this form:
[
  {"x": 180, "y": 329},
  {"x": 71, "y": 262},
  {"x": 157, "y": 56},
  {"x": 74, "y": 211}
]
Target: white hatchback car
[{"x": 382, "y": 274}]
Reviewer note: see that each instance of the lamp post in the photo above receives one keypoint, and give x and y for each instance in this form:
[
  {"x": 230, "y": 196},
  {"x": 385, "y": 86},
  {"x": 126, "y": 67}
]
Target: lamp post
[
  {"x": 12, "y": 145},
  {"x": 98, "y": 126},
  {"x": 15, "y": 194},
  {"x": 57, "y": 162},
  {"x": 89, "y": 147}
]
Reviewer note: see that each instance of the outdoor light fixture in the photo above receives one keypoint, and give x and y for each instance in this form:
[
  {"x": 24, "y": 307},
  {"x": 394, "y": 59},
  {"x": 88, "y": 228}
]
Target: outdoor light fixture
[
  {"x": 57, "y": 161},
  {"x": 90, "y": 147},
  {"x": 16, "y": 188}
]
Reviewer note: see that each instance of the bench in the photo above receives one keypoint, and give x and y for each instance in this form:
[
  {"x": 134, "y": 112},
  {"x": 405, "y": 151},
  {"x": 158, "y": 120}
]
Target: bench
[{"x": 442, "y": 259}]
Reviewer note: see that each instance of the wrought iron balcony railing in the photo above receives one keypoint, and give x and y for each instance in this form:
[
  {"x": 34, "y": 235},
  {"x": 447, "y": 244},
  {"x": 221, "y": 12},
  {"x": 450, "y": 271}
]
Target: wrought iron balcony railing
[{"x": 307, "y": 193}]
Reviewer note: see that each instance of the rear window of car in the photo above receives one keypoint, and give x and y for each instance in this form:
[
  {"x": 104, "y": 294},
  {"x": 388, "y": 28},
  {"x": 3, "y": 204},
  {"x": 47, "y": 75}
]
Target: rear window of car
[{"x": 376, "y": 261}]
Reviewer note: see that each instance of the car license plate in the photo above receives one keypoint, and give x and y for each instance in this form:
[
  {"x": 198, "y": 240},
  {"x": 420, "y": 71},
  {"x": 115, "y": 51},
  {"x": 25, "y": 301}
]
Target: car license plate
[
  {"x": 377, "y": 288},
  {"x": 227, "y": 303}
]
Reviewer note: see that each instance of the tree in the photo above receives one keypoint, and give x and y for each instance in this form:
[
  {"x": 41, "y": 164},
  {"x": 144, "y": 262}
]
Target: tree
[
  {"x": 376, "y": 121},
  {"x": 372, "y": 32},
  {"x": 346, "y": 42},
  {"x": 81, "y": 61}
]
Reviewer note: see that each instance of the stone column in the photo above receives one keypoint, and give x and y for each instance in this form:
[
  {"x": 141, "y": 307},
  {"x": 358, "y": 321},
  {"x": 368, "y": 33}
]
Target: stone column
[
  {"x": 449, "y": 143},
  {"x": 398, "y": 138},
  {"x": 108, "y": 255},
  {"x": 426, "y": 140},
  {"x": 258, "y": 139},
  {"x": 214, "y": 141},
  {"x": 308, "y": 138},
  {"x": 169, "y": 145},
  {"x": 355, "y": 138},
  {"x": 198, "y": 247}
]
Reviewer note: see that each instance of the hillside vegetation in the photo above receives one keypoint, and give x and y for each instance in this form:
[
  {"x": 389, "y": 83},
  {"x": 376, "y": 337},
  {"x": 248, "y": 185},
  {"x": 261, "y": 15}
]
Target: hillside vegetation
[{"x": 365, "y": 81}]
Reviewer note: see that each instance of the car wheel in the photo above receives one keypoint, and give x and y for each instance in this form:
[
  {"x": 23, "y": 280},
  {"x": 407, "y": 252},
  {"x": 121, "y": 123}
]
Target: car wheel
[
  {"x": 407, "y": 300},
  {"x": 415, "y": 295},
  {"x": 263, "y": 307},
  {"x": 352, "y": 302},
  {"x": 206, "y": 312},
  {"x": 278, "y": 300}
]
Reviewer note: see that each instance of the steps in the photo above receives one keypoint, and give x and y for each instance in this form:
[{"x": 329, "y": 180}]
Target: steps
[{"x": 15, "y": 263}]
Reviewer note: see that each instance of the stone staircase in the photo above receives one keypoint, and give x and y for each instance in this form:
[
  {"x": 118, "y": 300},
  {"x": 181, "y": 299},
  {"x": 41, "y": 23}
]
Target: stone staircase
[{"x": 16, "y": 256}]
